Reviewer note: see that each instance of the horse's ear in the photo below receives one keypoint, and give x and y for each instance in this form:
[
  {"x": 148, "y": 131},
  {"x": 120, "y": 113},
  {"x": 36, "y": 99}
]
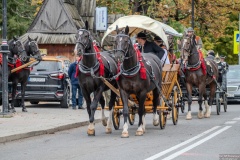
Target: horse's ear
[
  {"x": 86, "y": 25},
  {"x": 36, "y": 38},
  {"x": 30, "y": 39},
  {"x": 127, "y": 30},
  {"x": 117, "y": 30},
  {"x": 14, "y": 38}
]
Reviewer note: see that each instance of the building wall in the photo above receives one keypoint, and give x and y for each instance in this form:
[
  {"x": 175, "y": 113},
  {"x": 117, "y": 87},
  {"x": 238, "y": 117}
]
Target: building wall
[{"x": 59, "y": 50}]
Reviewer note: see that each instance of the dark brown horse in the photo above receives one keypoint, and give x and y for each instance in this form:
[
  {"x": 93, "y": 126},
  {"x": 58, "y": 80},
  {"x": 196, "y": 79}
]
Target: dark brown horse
[
  {"x": 197, "y": 76},
  {"x": 131, "y": 82},
  {"x": 30, "y": 49},
  {"x": 89, "y": 70}
]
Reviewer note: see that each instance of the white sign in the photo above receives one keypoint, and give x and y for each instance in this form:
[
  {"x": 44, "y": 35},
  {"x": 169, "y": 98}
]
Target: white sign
[{"x": 101, "y": 18}]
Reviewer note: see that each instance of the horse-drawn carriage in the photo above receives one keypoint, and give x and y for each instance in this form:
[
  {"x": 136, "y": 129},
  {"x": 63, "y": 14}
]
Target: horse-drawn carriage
[{"x": 170, "y": 89}]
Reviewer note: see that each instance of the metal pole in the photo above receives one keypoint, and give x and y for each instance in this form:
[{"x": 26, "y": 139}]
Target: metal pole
[
  {"x": 239, "y": 40},
  {"x": 4, "y": 51},
  {"x": 193, "y": 14}
]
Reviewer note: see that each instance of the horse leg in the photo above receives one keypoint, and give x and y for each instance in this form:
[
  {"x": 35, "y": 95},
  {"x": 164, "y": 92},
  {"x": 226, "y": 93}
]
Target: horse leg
[
  {"x": 93, "y": 107},
  {"x": 111, "y": 104},
  {"x": 189, "y": 91},
  {"x": 124, "y": 97},
  {"x": 102, "y": 102},
  {"x": 14, "y": 88},
  {"x": 202, "y": 90},
  {"x": 141, "y": 108},
  {"x": 23, "y": 86},
  {"x": 213, "y": 87},
  {"x": 156, "y": 102}
]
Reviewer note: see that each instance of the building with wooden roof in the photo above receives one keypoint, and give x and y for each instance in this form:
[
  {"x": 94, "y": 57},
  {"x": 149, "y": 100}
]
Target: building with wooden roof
[{"x": 56, "y": 25}]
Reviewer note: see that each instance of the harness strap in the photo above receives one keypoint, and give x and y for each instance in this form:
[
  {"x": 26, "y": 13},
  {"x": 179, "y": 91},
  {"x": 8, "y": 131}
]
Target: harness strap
[
  {"x": 101, "y": 70},
  {"x": 143, "y": 74}
]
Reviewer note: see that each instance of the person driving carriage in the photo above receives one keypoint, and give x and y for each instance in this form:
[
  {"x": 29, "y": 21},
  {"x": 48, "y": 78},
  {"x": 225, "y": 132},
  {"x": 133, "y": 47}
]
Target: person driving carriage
[
  {"x": 222, "y": 68},
  {"x": 149, "y": 47}
]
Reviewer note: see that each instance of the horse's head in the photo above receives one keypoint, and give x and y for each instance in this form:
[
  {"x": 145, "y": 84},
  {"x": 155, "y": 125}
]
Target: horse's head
[
  {"x": 188, "y": 44},
  {"x": 31, "y": 47},
  {"x": 83, "y": 40},
  {"x": 17, "y": 49},
  {"x": 122, "y": 44}
]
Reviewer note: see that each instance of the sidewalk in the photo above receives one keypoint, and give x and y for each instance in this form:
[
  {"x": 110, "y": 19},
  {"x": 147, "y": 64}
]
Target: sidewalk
[{"x": 38, "y": 121}]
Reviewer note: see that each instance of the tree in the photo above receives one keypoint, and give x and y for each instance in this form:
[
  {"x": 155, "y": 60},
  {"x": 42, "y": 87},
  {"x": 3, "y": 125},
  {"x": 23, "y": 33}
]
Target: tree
[{"x": 20, "y": 14}]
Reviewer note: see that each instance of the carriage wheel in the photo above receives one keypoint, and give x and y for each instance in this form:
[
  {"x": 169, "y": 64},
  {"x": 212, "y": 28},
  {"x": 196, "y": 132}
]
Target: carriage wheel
[
  {"x": 175, "y": 109},
  {"x": 225, "y": 102},
  {"x": 181, "y": 104},
  {"x": 162, "y": 119},
  {"x": 218, "y": 104},
  {"x": 131, "y": 118},
  {"x": 116, "y": 118}
]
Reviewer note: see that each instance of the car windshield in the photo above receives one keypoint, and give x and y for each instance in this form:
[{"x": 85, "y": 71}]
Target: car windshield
[
  {"x": 47, "y": 66},
  {"x": 233, "y": 73}
]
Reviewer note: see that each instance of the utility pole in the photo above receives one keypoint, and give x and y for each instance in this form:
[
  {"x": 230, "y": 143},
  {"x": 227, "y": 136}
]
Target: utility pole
[
  {"x": 239, "y": 39},
  {"x": 5, "y": 51},
  {"x": 193, "y": 14}
]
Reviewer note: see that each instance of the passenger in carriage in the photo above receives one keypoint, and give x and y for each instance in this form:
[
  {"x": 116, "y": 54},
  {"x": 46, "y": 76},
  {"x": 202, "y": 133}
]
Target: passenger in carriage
[
  {"x": 210, "y": 55},
  {"x": 149, "y": 47},
  {"x": 161, "y": 44}
]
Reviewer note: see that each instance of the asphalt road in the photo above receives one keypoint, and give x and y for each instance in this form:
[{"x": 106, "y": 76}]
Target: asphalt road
[{"x": 195, "y": 139}]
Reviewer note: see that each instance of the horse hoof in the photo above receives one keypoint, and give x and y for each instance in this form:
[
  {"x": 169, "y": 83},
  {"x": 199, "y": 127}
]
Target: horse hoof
[
  {"x": 155, "y": 123},
  {"x": 207, "y": 116},
  {"x": 24, "y": 110},
  {"x": 139, "y": 133},
  {"x": 104, "y": 122},
  {"x": 200, "y": 115},
  {"x": 13, "y": 110},
  {"x": 125, "y": 135},
  {"x": 188, "y": 117},
  {"x": 108, "y": 130},
  {"x": 91, "y": 132}
]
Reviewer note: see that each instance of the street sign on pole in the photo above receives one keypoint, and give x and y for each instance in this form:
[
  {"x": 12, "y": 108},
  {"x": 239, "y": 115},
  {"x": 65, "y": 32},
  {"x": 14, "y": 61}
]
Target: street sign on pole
[
  {"x": 101, "y": 18},
  {"x": 236, "y": 42}
]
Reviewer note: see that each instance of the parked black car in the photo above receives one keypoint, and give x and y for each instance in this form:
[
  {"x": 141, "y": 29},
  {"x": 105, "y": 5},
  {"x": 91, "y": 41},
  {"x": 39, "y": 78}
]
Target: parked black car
[{"x": 48, "y": 81}]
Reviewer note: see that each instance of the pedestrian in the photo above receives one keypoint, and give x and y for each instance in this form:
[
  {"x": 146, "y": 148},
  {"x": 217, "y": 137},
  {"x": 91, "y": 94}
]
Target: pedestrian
[
  {"x": 149, "y": 47},
  {"x": 75, "y": 85},
  {"x": 160, "y": 43}
]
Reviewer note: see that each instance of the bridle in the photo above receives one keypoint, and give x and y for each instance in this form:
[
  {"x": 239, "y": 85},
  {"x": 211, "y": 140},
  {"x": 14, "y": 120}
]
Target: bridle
[
  {"x": 85, "y": 46},
  {"x": 20, "y": 47},
  {"x": 122, "y": 50},
  {"x": 35, "y": 43}
]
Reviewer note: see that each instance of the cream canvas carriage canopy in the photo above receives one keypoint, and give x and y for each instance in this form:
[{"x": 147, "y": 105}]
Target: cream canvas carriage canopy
[{"x": 138, "y": 23}]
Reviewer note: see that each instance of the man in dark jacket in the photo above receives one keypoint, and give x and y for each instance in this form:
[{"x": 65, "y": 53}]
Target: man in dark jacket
[
  {"x": 149, "y": 47},
  {"x": 75, "y": 85}
]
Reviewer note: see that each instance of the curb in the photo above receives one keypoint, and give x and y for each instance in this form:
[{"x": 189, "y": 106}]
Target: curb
[{"x": 45, "y": 131}]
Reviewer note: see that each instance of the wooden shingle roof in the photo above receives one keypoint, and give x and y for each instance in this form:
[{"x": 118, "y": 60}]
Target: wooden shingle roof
[{"x": 57, "y": 22}]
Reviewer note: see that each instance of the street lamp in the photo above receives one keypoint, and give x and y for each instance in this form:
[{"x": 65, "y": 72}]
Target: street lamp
[{"x": 4, "y": 50}]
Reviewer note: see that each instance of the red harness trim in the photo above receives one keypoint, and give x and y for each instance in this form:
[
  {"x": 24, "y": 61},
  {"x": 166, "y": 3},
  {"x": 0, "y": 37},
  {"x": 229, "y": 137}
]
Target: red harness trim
[
  {"x": 202, "y": 65},
  {"x": 142, "y": 71},
  {"x": 12, "y": 66},
  {"x": 101, "y": 67}
]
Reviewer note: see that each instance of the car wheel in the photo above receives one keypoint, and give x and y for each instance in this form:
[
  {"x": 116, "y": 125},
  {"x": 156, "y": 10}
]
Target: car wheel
[
  {"x": 34, "y": 102},
  {"x": 65, "y": 103}
]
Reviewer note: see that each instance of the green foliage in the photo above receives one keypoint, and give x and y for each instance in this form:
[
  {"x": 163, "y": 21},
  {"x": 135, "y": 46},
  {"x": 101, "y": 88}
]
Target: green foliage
[
  {"x": 20, "y": 14},
  {"x": 115, "y": 6}
]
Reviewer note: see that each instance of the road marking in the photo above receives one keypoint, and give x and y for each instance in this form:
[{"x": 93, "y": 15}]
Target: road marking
[
  {"x": 236, "y": 119},
  {"x": 230, "y": 122},
  {"x": 181, "y": 144},
  {"x": 197, "y": 143}
]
